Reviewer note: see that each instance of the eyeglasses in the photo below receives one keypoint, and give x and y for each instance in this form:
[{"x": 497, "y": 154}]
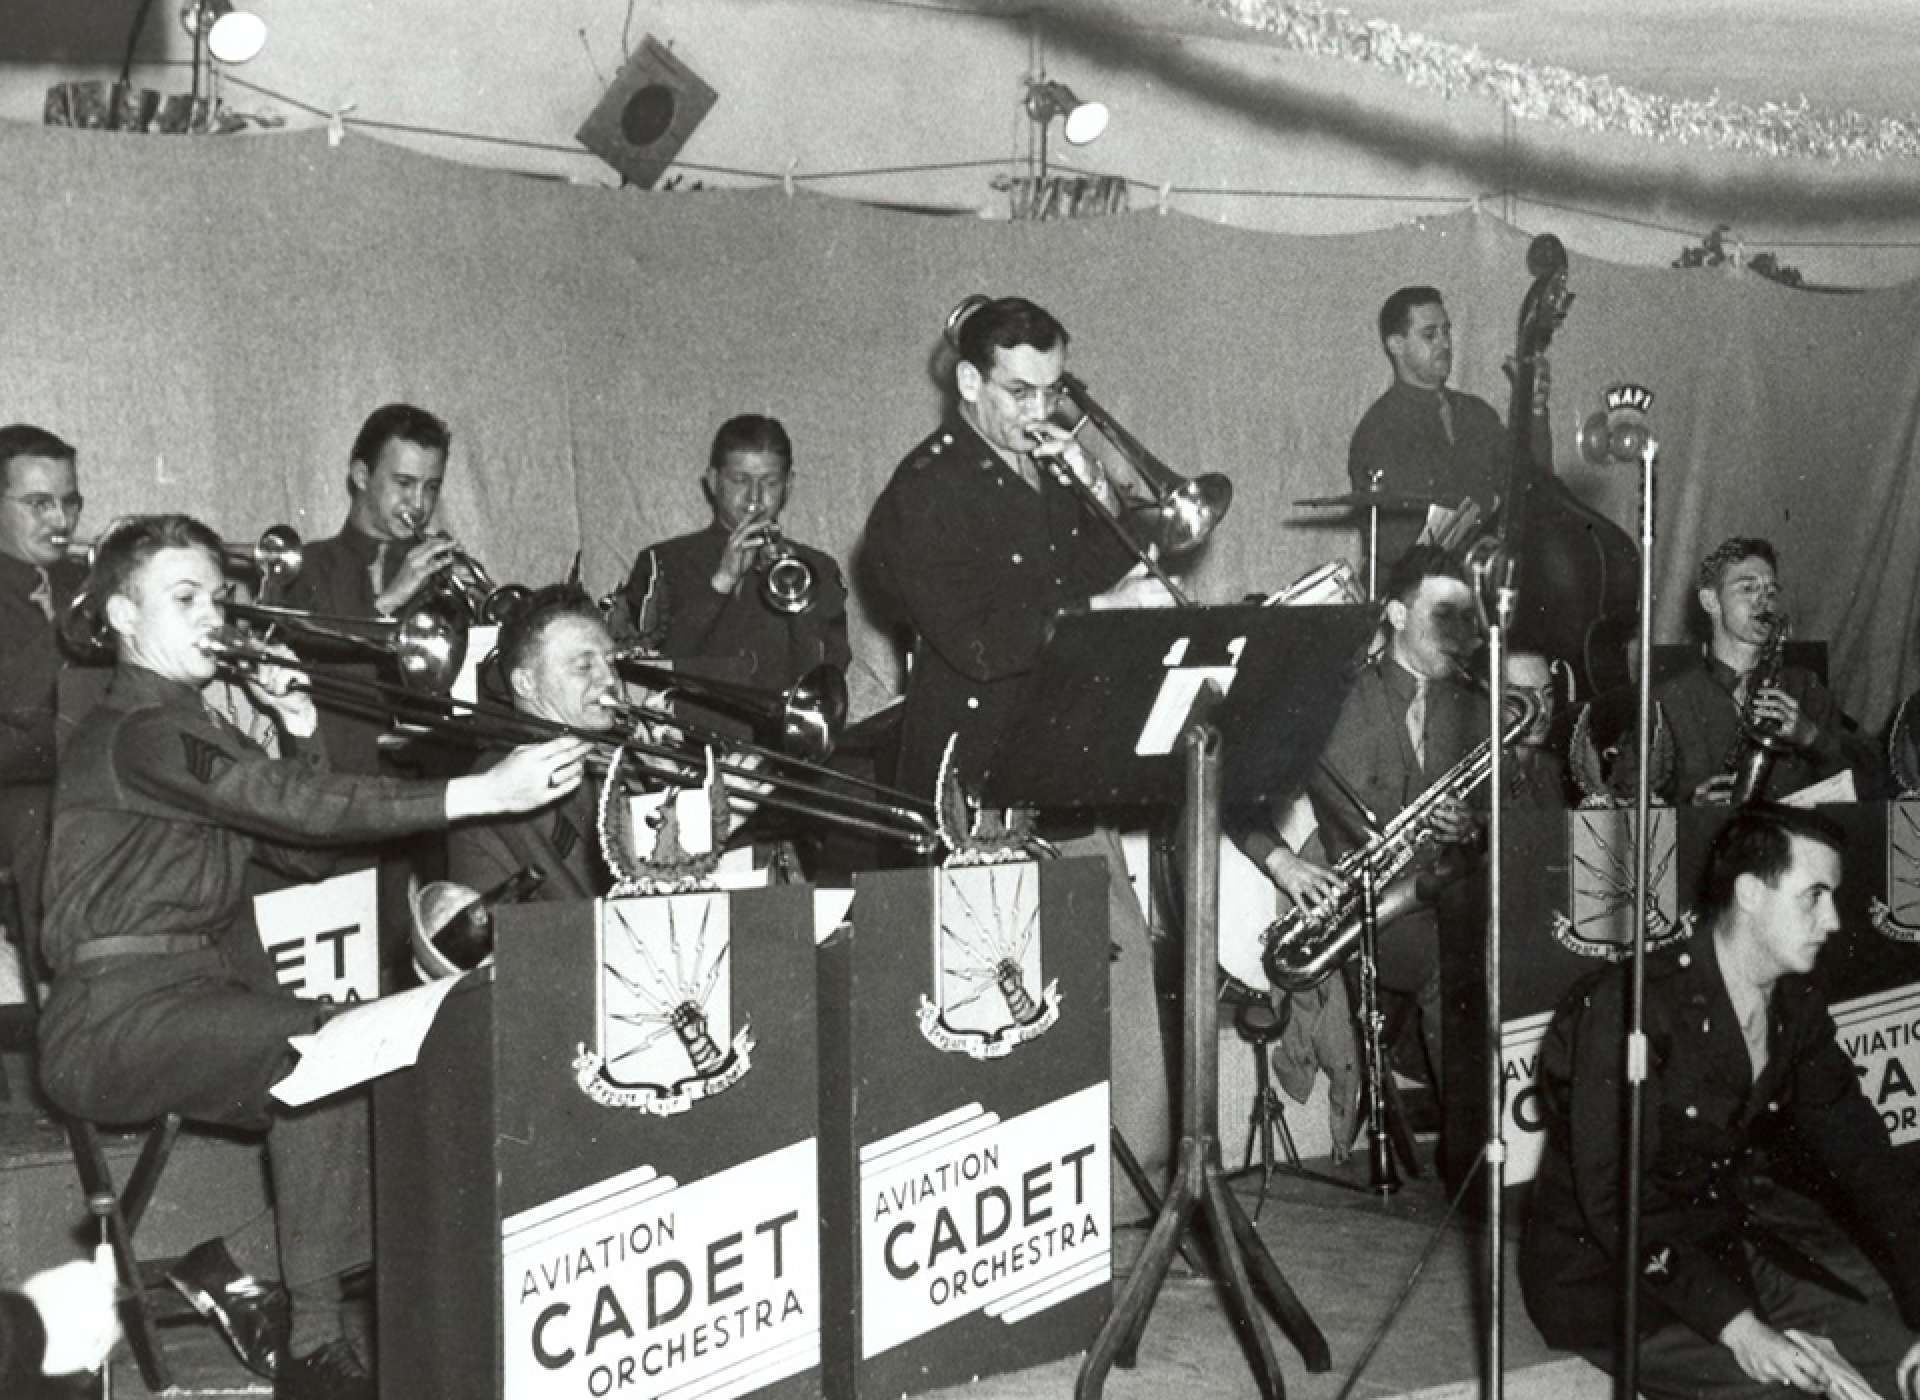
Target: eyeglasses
[
  {"x": 1043, "y": 396},
  {"x": 45, "y": 503}
]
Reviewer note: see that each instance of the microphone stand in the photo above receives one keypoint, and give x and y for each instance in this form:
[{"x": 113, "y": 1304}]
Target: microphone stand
[
  {"x": 1505, "y": 570},
  {"x": 1627, "y": 1364}
]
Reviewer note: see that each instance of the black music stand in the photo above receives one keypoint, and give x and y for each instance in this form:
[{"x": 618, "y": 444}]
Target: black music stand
[{"x": 1141, "y": 707}]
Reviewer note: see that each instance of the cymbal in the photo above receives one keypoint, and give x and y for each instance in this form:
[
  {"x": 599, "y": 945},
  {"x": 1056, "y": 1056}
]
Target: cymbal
[{"x": 1370, "y": 500}]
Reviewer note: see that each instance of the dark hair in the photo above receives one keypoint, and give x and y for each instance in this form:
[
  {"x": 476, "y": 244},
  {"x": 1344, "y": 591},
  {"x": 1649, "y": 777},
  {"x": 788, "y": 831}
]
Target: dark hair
[
  {"x": 130, "y": 543},
  {"x": 523, "y": 630},
  {"x": 1730, "y": 552},
  {"x": 750, "y": 432},
  {"x": 1396, "y": 312},
  {"x": 402, "y": 422},
  {"x": 1415, "y": 567},
  {"x": 25, "y": 440},
  {"x": 1758, "y": 841},
  {"x": 1002, "y": 324}
]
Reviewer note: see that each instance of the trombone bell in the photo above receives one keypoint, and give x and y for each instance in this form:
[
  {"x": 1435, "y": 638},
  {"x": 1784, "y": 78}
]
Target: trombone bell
[{"x": 1185, "y": 516}]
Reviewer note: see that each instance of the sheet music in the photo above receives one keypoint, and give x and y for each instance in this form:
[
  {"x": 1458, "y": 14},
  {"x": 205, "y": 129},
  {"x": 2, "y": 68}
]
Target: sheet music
[{"x": 374, "y": 1038}]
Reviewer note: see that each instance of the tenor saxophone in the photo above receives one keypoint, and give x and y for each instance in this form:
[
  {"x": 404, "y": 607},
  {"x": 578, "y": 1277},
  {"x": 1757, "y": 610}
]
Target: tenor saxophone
[{"x": 1308, "y": 943}]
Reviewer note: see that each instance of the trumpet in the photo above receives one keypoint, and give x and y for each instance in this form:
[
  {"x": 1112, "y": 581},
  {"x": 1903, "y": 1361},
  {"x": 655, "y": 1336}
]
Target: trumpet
[
  {"x": 1307, "y": 944},
  {"x": 786, "y": 580},
  {"x": 466, "y": 585}
]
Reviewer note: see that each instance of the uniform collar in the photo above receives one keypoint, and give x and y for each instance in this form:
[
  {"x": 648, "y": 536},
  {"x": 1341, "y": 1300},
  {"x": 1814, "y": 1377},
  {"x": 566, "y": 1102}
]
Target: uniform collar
[{"x": 135, "y": 684}]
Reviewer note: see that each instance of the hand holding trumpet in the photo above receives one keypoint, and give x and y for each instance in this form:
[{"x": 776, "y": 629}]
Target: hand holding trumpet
[
  {"x": 428, "y": 557},
  {"x": 742, "y": 550}
]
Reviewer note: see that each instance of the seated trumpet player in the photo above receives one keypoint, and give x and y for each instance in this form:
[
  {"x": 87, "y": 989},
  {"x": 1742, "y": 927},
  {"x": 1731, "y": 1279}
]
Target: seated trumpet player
[
  {"x": 1408, "y": 720},
  {"x": 738, "y": 596},
  {"x": 1742, "y": 685},
  {"x": 162, "y": 1000}
]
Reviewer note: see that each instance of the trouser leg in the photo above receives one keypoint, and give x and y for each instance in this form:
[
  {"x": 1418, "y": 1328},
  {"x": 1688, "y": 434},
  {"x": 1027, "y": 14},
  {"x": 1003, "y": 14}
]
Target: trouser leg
[{"x": 321, "y": 1184}]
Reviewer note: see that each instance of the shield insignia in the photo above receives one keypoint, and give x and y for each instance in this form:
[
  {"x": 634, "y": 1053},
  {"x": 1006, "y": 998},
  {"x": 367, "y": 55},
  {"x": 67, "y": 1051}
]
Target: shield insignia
[
  {"x": 1898, "y": 915},
  {"x": 989, "y": 993},
  {"x": 664, "y": 1018},
  {"x": 1598, "y": 921}
]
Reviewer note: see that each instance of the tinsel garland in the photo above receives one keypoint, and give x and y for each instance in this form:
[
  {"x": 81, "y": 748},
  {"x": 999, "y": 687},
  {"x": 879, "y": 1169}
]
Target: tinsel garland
[{"x": 1541, "y": 92}]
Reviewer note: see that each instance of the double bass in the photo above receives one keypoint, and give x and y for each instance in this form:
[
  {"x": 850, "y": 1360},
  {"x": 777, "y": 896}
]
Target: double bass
[{"x": 1578, "y": 571}]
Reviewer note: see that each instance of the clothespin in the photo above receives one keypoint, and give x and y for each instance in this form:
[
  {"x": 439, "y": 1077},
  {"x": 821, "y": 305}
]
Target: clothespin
[
  {"x": 337, "y": 126},
  {"x": 786, "y": 179},
  {"x": 1166, "y": 193}
]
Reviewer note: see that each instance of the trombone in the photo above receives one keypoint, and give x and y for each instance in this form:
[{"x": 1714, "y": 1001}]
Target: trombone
[
  {"x": 427, "y": 642},
  {"x": 781, "y": 782},
  {"x": 1179, "y": 514},
  {"x": 808, "y": 716}
]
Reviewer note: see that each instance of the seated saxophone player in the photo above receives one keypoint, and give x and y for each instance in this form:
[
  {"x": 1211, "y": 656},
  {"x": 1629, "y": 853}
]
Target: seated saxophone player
[
  {"x": 161, "y": 999},
  {"x": 1408, "y": 719},
  {"x": 380, "y": 563},
  {"x": 1738, "y": 589},
  {"x": 556, "y": 659}
]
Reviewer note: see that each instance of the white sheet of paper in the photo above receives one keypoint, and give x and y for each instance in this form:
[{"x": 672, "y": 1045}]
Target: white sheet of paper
[
  {"x": 830, "y": 908},
  {"x": 1298, "y": 823},
  {"x": 374, "y": 1038},
  {"x": 480, "y": 644},
  {"x": 1174, "y": 703},
  {"x": 1838, "y": 788}
]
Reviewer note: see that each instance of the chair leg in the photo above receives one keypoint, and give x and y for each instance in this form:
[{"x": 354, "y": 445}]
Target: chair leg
[
  {"x": 1263, "y": 1111},
  {"x": 96, "y": 1178}
]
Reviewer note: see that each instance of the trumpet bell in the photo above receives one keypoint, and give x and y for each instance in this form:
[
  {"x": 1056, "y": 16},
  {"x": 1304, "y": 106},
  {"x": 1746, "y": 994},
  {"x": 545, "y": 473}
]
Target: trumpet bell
[
  {"x": 1182, "y": 519},
  {"x": 430, "y": 647},
  {"x": 789, "y": 585},
  {"x": 814, "y": 714}
]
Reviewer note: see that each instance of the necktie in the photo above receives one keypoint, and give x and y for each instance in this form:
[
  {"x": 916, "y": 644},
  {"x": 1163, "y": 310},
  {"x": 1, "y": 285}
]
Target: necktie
[
  {"x": 1417, "y": 721},
  {"x": 43, "y": 593},
  {"x": 377, "y": 570},
  {"x": 1446, "y": 417}
]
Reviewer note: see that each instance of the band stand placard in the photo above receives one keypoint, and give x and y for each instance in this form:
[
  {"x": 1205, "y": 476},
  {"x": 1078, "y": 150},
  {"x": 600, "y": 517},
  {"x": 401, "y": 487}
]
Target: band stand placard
[
  {"x": 1191, "y": 706},
  {"x": 601, "y": 1177},
  {"x": 964, "y": 1150},
  {"x": 323, "y": 939},
  {"x": 1099, "y": 720}
]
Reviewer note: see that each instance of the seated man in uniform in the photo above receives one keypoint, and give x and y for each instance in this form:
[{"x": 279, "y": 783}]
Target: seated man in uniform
[
  {"x": 1745, "y": 1075},
  {"x": 1739, "y": 590},
  {"x": 556, "y": 658},
  {"x": 39, "y": 509},
  {"x": 701, "y": 593},
  {"x": 162, "y": 1001}
]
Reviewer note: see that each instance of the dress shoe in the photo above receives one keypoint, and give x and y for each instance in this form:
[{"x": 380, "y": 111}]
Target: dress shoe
[
  {"x": 251, "y": 1315},
  {"x": 333, "y": 1372}
]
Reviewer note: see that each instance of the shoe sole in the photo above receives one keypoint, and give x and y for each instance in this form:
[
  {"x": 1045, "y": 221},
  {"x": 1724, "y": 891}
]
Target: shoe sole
[{"x": 202, "y": 1302}]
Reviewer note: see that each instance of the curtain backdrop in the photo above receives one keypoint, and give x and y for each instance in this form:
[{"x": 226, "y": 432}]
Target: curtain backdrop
[{"x": 210, "y": 319}]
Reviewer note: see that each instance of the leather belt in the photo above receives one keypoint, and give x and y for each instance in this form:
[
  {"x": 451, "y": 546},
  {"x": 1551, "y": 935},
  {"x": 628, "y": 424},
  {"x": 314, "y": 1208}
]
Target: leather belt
[{"x": 139, "y": 945}]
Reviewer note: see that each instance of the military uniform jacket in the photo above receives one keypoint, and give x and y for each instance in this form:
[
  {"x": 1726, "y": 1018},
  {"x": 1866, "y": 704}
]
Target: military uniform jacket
[
  {"x": 336, "y": 578},
  {"x": 1705, "y": 720},
  {"x": 27, "y": 700},
  {"x": 160, "y": 807},
  {"x": 1708, "y": 1126},
  {"x": 978, "y": 562},
  {"x": 563, "y": 840},
  {"x": 751, "y": 642},
  {"x": 1401, "y": 436}
]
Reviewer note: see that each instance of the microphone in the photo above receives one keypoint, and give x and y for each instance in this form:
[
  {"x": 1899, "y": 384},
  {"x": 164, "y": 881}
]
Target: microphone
[{"x": 1618, "y": 432}]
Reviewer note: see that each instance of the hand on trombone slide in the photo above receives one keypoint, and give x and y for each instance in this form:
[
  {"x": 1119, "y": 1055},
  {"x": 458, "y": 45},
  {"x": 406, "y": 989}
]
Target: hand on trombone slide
[{"x": 530, "y": 777}]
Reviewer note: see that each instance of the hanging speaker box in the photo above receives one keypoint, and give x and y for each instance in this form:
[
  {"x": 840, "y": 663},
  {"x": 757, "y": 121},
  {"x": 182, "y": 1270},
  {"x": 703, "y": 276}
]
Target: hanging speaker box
[{"x": 647, "y": 114}]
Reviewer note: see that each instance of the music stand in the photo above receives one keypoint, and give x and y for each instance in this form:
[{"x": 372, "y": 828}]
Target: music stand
[{"x": 1141, "y": 707}]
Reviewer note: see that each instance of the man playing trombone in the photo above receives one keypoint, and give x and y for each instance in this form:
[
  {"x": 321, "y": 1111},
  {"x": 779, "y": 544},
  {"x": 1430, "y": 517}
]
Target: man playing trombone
[
  {"x": 163, "y": 1000},
  {"x": 976, "y": 543},
  {"x": 39, "y": 511}
]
